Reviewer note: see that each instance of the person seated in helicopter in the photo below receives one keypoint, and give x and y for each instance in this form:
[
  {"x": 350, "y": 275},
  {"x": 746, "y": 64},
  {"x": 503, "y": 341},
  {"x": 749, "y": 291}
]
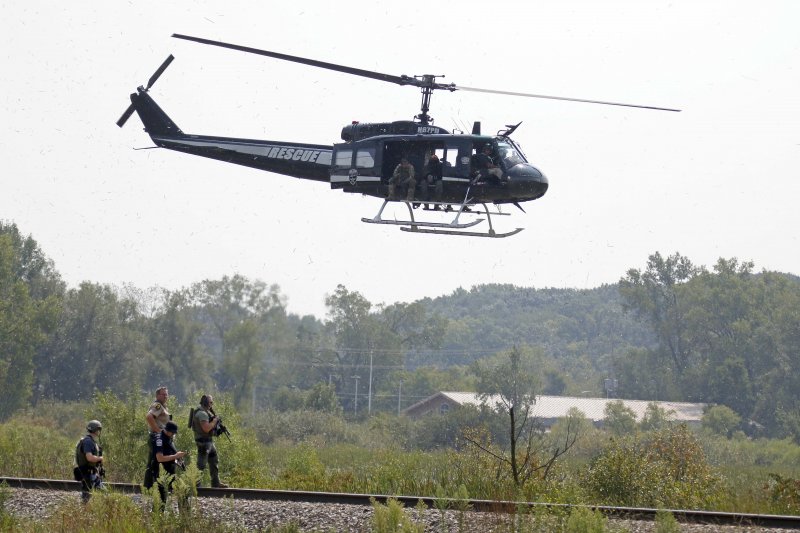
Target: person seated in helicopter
[
  {"x": 432, "y": 180},
  {"x": 486, "y": 165},
  {"x": 403, "y": 176}
]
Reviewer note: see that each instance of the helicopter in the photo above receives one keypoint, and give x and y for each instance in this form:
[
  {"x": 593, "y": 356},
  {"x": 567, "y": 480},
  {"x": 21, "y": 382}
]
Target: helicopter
[{"x": 473, "y": 170}]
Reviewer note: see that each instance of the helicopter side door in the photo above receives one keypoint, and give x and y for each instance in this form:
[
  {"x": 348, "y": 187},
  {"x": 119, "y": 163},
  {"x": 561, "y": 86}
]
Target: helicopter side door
[{"x": 356, "y": 167}]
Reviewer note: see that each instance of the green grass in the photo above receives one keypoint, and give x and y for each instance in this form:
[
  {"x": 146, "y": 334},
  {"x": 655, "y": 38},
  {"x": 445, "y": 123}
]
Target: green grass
[{"x": 325, "y": 453}]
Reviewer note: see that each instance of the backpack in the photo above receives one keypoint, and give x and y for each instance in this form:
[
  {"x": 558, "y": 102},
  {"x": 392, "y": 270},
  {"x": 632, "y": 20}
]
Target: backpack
[{"x": 192, "y": 411}]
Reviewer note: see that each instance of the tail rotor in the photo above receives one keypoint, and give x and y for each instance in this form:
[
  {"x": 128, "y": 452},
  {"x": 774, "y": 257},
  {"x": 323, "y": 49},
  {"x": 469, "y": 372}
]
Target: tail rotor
[{"x": 157, "y": 74}]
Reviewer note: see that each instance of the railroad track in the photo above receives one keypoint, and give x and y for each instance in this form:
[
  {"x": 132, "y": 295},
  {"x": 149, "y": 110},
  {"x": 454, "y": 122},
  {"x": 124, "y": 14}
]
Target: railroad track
[{"x": 630, "y": 513}]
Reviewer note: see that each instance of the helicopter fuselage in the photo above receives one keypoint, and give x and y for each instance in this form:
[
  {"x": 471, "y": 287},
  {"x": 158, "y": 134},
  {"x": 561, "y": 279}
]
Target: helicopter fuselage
[{"x": 365, "y": 165}]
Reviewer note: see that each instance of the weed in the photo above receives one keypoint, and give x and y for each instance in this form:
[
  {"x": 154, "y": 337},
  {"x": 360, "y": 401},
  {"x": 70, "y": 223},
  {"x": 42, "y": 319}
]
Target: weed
[
  {"x": 585, "y": 520},
  {"x": 391, "y": 518},
  {"x": 666, "y": 522}
]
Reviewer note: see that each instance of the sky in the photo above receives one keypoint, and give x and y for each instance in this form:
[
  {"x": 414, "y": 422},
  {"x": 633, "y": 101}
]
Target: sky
[{"x": 719, "y": 179}]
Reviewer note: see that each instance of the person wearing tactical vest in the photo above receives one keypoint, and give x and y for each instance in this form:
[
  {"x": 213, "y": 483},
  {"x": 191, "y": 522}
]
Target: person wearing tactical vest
[
  {"x": 167, "y": 455},
  {"x": 204, "y": 422},
  {"x": 157, "y": 418},
  {"x": 89, "y": 461}
]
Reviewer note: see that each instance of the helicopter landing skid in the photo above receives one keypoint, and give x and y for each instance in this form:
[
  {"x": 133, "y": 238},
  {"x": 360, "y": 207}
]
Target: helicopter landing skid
[
  {"x": 455, "y": 224},
  {"x": 444, "y": 228},
  {"x": 491, "y": 233}
]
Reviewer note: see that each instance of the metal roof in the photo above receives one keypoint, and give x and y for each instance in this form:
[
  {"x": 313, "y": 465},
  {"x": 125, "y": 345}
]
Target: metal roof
[{"x": 592, "y": 408}]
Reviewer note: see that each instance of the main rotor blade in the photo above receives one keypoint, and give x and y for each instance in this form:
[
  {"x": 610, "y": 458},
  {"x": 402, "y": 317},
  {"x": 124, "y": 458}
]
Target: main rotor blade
[
  {"x": 528, "y": 95},
  {"x": 157, "y": 74},
  {"x": 400, "y": 80}
]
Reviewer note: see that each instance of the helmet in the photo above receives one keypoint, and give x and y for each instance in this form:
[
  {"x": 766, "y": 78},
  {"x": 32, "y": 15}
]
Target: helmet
[
  {"x": 171, "y": 426},
  {"x": 93, "y": 426}
]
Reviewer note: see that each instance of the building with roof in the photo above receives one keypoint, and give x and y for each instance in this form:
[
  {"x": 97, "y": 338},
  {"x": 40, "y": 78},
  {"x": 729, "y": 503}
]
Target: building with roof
[{"x": 549, "y": 409}]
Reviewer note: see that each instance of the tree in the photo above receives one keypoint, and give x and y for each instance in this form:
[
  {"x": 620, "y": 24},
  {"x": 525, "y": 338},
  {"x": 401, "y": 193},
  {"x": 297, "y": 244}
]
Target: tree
[
  {"x": 228, "y": 301},
  {"x": 508, "y": 384},
  {"x": 323, "y": 398},
  {"x": 620, "y": 419},
  {"x": 178, "y": 360},
  {"x": 655, "y": 417},
  {"x": 28, "y": 265},
  {"x": 654, "y": 295},
  {"x": 98, "y": 344},
  {"x": 22, "y": 330},
  {"x": 242, "y": 359},
  {"x": 374, "y": 341},
  {"x": 241, "y": 320},
  {"x": 721, "y": 420}
]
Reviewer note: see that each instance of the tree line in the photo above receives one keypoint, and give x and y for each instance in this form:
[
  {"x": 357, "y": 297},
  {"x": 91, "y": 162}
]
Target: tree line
[{"x": 670, "y": 331}]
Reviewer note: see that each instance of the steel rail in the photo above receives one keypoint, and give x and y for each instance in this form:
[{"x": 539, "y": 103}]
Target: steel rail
[{"x": 492, "y": 506}]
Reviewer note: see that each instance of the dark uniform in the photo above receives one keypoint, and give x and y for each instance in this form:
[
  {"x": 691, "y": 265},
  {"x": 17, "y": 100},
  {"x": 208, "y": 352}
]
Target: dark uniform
[
  {"x": 89, "y": 472},
  {"x": 433, "y": 178},
  {"x": 161, "y": 416},
  {"x": 486, "y": 166},
  {"x": 206, "y": 451},
  {"x": 164, "y": 444}
]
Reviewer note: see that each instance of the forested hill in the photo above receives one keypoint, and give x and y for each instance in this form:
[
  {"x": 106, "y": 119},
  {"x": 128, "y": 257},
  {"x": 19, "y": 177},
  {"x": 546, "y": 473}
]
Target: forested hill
[
  {"x": 725, "y": 334},
  {"x": 564, "y": 322}
]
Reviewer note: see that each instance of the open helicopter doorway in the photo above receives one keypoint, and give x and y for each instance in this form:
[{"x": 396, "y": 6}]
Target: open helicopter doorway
[{"x": 419, "y": 153}]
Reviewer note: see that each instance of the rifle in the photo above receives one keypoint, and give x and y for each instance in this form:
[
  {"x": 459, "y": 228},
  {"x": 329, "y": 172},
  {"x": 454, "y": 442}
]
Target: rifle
[{"x": 219, "y": 427}]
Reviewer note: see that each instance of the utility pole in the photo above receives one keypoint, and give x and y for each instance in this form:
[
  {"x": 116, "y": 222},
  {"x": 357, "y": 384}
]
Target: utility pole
[
  {"x": 399, "y": 396},
  {"x": 369, "y": 395},
  {"x": 355, "y": 409}
]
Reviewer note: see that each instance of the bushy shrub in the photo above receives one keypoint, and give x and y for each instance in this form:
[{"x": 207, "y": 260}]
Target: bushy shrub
[
  {"x": 124, "y": 438},
  {"x": 445, "y": 430},
  {"x": 620, "y": 419},
  {"x": 585, "y": 520},
  {"x": 391, "y": 518},
  {"x": 784, "y": 493},
  {"x": 666, "y": 469},
  {"x": 666, "y": 522},
  {"x": 655, "y": 417},
  {"x": 302, "y": 425},
  {"x": 721, "y": 420},
  {"x": 7, "y": 522}
]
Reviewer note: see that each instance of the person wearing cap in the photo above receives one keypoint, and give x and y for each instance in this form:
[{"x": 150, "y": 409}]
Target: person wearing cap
[
  {"x": 156, "y": 418},
  {"x": 403, "y": 175},
  {"x": 89, "y": 460},
  {"x": 167, "y": 455}
]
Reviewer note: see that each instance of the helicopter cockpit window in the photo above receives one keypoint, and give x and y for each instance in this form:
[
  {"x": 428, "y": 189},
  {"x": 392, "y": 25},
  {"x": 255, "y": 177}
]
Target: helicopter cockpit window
[
  {"x": 509, "y": 154},
  {"x": 365, "y": 158},
  {"x": 344, "y": 158}
]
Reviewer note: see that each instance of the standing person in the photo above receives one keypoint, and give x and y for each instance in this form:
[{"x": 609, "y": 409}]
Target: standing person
[
  {"x": 167, "y": 455},
  {"x": 89, "y": 460},
  {"x": 403, "y": 175},
  {"x": 157, "y": 418},
  {"x": 204, "y": 423}
]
